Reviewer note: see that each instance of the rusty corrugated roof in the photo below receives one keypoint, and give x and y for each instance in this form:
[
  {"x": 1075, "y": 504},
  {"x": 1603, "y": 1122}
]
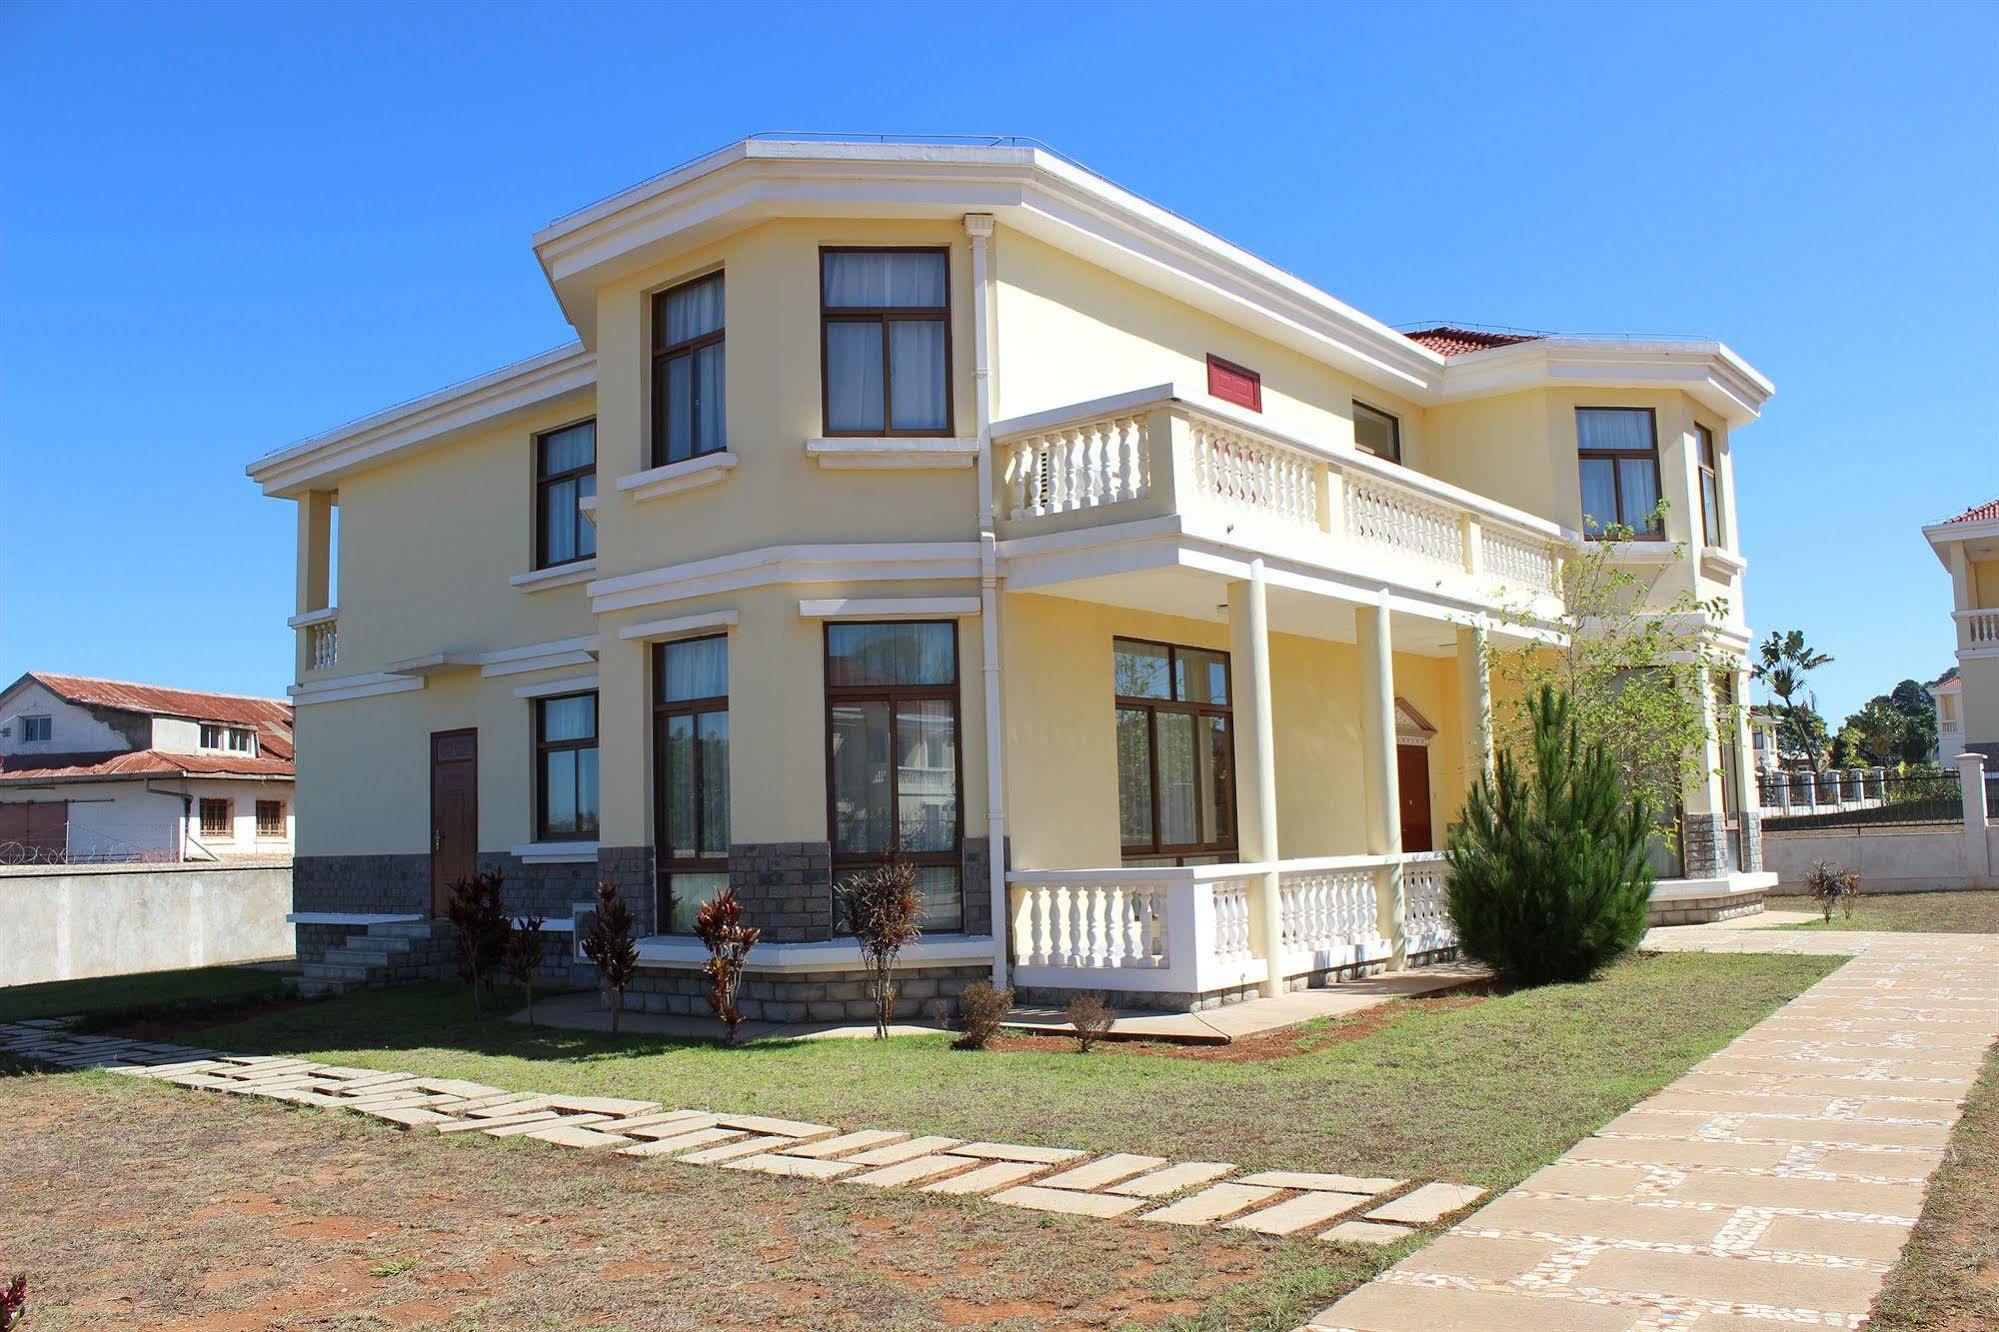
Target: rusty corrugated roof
[
  {"x": 272, "y": 717},
  {"x": 139, "y": 763}
]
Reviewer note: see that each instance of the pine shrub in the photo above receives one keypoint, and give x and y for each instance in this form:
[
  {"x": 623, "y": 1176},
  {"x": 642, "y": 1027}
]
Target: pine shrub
[{"x": 1548, "y": 873}]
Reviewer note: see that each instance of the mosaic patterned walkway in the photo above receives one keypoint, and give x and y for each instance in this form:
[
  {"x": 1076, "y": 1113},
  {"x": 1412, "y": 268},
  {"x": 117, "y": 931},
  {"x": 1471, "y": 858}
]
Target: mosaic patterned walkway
[
  {"x": 1331, "y": 1208},
  {"x": 1772, "y": 1187}
]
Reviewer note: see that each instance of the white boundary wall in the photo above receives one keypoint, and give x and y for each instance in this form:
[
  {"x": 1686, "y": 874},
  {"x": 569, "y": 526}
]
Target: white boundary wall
[
  {"x": 1904, "y": 860},
  {"x": 73, "y": 921}
]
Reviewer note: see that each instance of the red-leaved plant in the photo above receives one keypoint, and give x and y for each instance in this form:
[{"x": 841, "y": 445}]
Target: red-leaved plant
[
  {"x": 611, "y": 945},
  {"x": 883, "y": 910},
  {"x": 719, "y": 925},
  {"x": 14, "y": 1304}
]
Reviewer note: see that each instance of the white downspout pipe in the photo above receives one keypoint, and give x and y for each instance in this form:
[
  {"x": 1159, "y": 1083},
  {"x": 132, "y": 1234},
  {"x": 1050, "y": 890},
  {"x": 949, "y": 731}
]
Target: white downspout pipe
[{"x": 979, "y": 226}]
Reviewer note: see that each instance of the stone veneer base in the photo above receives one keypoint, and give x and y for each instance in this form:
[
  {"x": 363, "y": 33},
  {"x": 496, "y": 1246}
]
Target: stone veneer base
[{"x": 812, "y": 996}]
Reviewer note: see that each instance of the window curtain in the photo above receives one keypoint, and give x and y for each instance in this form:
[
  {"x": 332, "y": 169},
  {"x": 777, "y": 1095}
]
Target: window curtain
[
  {"x": 854, "y": 376},
  {"x": 873, "y": 279},
  {"x": 693, "y": 311},
  {"x": 567, "y": 450},
  {"x": 918, "y": 378},
  {"x": 1620, "y": 428},
  {"x": 697, "y": 668}
]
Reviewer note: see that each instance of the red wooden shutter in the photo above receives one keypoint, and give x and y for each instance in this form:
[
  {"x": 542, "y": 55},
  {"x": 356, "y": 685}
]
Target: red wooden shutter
[{"x": 1233, "y": 383}]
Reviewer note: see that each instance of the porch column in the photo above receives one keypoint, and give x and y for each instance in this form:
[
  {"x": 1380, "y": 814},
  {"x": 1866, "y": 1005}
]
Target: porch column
[
  {"x": 1474, "y": 700},
  {"x": 1977, "y": 856},
  {"x": 1256, "y": 764},
  {"x": 1382, "y": 787}
]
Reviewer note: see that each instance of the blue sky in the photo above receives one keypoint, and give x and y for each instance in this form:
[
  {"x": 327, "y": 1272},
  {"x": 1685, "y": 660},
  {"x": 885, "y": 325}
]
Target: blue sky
[{"x": 225, "y": 228}]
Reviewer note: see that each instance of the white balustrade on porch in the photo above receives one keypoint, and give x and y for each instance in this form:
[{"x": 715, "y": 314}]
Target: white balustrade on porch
[
  {"x": 1189, "y": 930},
  {"x": 322, "y": 642},
  {"x": 1981, "y": 628},
  {"x": 1342, "y": 505}
]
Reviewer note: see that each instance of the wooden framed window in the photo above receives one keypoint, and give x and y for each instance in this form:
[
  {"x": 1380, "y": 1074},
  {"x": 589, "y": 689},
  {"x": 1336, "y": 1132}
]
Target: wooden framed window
[
  {"x": 1175, "y": 751},
  {"x": 270, "y": 818},
  {"x": 218, "y": 817},
  {"x": 1711, "y": 525},
  {"x": 1377, "y": 432},
  {"x": 1234, "y": 383},
  {"x": 689, "y": 371},
  {"x": 1617, "y": 450},
  {"x": 565, "y": 471},
  {"x": 213, "y": 735},
  {"x": 565, "y": 761},
  {"x": 36, "y": 730},
  {"x": 690, "y": 755},
  {"x": 893, "y": 773},
  {"x": 242, "y": 740},
  {"x": 885, "y": 341}
]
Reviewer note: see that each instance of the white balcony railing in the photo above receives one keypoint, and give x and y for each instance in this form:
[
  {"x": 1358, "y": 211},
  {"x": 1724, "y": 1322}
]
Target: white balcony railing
[
  {"x": 1156, "y": 453},
  {"x": 1978, "y": 628},
  {"x": 1190, "y": 930},
  {"x": 323, "y": 644}
]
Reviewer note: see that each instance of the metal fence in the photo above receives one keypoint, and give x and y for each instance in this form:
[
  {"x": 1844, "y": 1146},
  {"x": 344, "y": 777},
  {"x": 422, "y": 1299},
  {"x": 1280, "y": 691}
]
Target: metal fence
[
  {"x": 1883, "y": 801},
  {"x": 127, "y": 845}
]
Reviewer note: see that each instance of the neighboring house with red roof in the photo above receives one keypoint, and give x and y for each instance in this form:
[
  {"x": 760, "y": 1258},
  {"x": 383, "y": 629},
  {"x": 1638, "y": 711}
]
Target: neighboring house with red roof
[
  {"x": 103, "y": 770},
  {"x": 1968, "y": 695}
]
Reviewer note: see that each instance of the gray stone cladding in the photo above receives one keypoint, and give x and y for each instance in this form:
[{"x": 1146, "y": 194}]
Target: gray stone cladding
[
  {"x": 810, "y": 996},
  {"x": 1705, "y": 836},
  {"x": 786, "y": 888},
  {"x": 629, "y": 869},
  {"x": 362, "y": 885},
  {"x": 1752, "y": 840}
]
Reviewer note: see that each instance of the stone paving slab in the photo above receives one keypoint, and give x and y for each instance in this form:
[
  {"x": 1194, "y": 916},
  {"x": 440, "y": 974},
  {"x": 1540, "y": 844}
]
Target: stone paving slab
[
  {"x": 912, "y": 1171},
  {"x": 1173, "y": 1179},
  {"x": 1772, "y": 1186},
  {"x": 985, "y": 1178},
  {"x": 1107, "y": 1170},
  {"x": 1212, "y": 1204},
  {"x": 1366, "y": 1232},
  {"x": 1307, "y": 1209},
  {"x": 1429, "y": 1203},
  {"x": 1068, "y": 1202}
]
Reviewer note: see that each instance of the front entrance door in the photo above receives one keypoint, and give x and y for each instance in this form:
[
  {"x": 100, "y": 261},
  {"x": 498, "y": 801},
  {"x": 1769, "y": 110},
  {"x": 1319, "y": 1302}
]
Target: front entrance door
[
  {"x": 1412, "y": 771},
  {"x": 454, "y": 813}
]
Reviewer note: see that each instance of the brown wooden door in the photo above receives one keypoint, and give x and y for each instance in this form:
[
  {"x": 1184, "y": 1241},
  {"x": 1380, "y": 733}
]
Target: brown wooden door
[
  {"x": 36, "y": 830},
  {"x": 1412, "y": 769},
  {"x": 454, "y": 813}
]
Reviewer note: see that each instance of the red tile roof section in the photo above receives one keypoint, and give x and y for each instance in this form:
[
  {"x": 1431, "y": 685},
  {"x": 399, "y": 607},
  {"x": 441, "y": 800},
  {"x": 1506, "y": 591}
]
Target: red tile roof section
[
  {"x": 1977, "y": 513},
  {"x": 1447, "y": 340},
  {"x": 272, "y": 717},
  {"x": 139, "y": 763}
]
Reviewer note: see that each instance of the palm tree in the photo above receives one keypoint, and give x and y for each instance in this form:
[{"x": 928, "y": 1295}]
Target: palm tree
[{"x": 1783, "y": 662}]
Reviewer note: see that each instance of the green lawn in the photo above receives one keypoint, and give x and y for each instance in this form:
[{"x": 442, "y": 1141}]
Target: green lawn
[
  {"x": 1929, "y": 913},
  {"x": 1948, "y": 1278},
  {"x": 1483, "y": 1093},
  {"x": 112, "y": 999}
]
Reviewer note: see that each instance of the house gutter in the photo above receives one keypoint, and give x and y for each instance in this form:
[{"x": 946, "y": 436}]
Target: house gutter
[{"x": 979, "y": 226}]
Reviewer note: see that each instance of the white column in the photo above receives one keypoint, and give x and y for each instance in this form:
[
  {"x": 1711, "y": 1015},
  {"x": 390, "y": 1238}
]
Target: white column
[
  {"x": 979, "y": 227},
  {"x": 1977, "y": 846},
  {"x": 1474, "y": 700},
  {"x": 1256, "y": 763},
  {"x": 1382, "y": 787}
]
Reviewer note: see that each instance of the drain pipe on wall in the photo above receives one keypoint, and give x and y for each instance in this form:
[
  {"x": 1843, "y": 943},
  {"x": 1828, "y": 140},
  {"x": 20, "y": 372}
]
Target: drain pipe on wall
[{"x": 979, "y": 226}]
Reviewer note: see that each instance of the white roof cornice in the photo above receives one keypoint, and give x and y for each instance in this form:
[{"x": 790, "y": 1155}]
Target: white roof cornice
[
  {"x": 431, "y": 419},
  {"x": 1708, "y": 370}
]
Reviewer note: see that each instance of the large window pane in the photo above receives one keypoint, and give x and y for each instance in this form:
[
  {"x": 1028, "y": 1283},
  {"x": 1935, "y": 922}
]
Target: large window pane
[
  {"x": 1179, "y": 781},
  {"x": 854, "y": 377},
  {"x": 891, "y": 654},
  {"x": 1134, "y": 776},
  {"x": 692, "y": 311},
  {"x": 677, "y": 762},
  {"x": 1377, "y": 432},
  {"x": 1599, "y": 495},
  {"x": 686, "y": 894},
  {"x": 918, "y": 379},
  {"x": 559, "y": 782},
  {"x": 863, "y": 794},
  {"x": 879, "y": 279},
  {"x": 586, "y": 791},
  {"x": 712, "y": 734},
  {"x": 1623, "y": 429},
  {"x": 1638, "y": 479},
  {"x": 695, "y": 668},
  {"x": 711, "y": 431},
  {"x": 1141, "y": 670},
  {"x": 1710, "y": 509},
  {"x": 568, "y": 449},
  {"x": 927, "y": 775},
  {"x": 1200, "y": 677},
  {"x": 679, "y": 409},
  {"x": 559, "y": 520},
  {"x": 942, "y": 891},
  {"x": 1218, "y": 779},
  {"x": 573, "y": 718}
]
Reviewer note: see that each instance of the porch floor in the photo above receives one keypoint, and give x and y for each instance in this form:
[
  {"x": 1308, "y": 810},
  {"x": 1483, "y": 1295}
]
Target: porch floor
[{"x": 1255, "y": 1017}]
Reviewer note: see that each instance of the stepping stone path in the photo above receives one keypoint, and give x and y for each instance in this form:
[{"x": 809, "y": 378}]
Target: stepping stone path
[
  {"x": 1771, "y": 1188},
  {"x": 1064, "y": 1180}
]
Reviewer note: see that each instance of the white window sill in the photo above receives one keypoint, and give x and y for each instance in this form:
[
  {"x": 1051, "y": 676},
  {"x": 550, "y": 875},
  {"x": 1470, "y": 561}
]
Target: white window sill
[
  {"x": 1645, "y": 552},
  {"x": 555, "y": 853},
  {"x": 1722, "y": 564},
  {"x": 559, "y": 575},
  {"x": 676, "y": 478},
  {"x": 893, "y": 453}
]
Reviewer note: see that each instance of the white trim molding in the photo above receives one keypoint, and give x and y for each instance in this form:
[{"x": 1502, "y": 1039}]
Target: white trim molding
[
  {"x": 770, "y": 566},
  {"x": 555, "y": 853},
  {"x": 434, "y": 663},
  {"x": 658, "y": 630},
  {"x": 310, "y": 618},
  {"x": 893, "y": 454},
  {"x": 1720, "y": 563},
  {"x": 539, "y": 656},
  {"x": 568, "y": 684},
  {"x": 677, "y": 478},
  {"x": 558, "y": 575},
  {"x": 353, "y": 686},
  {"x": 345, "y": 918},
  {"x": 888, "y": 608}
]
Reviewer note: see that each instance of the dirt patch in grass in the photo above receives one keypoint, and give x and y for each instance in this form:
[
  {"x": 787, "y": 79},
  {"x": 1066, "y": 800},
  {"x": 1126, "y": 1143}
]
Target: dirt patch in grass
[
  {"x": 1948, "y": 1279},
  {"x": 137, "y": 1205},
  {"x": 172, "y": 1026},
  {"x": 1263, "y": 1048}
]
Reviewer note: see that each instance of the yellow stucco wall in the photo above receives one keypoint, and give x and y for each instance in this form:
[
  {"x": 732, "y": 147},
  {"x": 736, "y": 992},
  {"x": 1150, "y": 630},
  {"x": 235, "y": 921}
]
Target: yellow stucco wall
[{"x": 1984, "y": 583}]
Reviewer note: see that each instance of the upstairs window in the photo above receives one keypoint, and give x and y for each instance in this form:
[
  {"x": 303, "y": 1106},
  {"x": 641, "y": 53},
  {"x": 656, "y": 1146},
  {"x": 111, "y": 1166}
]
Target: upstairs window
[
  {"x": 1711, "y": 529},
  {"x": 36, "y": 730},
  {"x": 885, "y": 341},
  {"x": 565, "y": 742},
  {"x": 1376, "y": 432},
  {"x": 689, "y": 410},
  {"x": 212, "y": 735},
  {"x": 1233, "y": 383},
  {"x": 1617, "y": 449},
  {"x": 565, "y": 472},
  {"x": 242, "y": 740}
]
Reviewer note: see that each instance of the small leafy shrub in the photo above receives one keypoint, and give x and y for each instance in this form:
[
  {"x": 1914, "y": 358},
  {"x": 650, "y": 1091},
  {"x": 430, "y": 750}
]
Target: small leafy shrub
[
  {"x": 1548, "y": 876},
  {"x": 482, "y": 930},
  {"x": 523, "y": 955},
  {"x": 611, "y": 944},
  {"x": 719, "y": 926},
  {"x": 14, "y": 1304},
  {"x": 1092, "y": 1018},
  {"x": 883, "y": 911},
  {"x": 984, "y": 1007},
  {"x": 1832, "y": 888}
]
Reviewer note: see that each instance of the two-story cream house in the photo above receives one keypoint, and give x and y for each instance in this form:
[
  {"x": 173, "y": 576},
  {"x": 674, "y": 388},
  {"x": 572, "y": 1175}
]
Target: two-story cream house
[
  {"x": 951, "y": 500},
  {"x": 1967, "y": 695}
]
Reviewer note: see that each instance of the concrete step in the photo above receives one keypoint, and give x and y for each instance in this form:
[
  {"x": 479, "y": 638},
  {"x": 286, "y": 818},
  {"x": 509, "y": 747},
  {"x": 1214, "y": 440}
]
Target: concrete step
[
  {"x": 308, "y": 988},
  {"x": 407, "y": 929},
  {"x": 336, "y": 971},
  {"x": 348, "y": 955}
]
